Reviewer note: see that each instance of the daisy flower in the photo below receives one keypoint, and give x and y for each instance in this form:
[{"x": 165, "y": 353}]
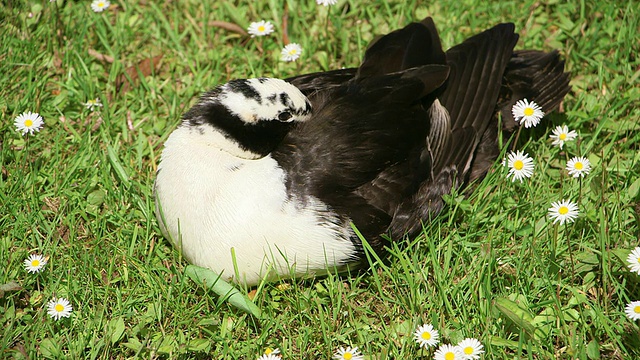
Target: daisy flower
[
  {"x": 561, "y": 134},
  {"x": 633, "y": 310},
  {"x": 260, "y": 28},
  {"x": 59, "y": 308},
  {"x": 348, "y": 354},
  {"x": 634, "y": 260},
  {"x": 426, "y": 336},
  {"x": 269, "y": 357},
  {"x": 326, "y": 2},
  {"x": 35, "y": 263},
  {"x": 520, "y": 165},
  {"x": 28, "y": 122},
  {"x": 291, "y": 52},
  {"x": 471, "y": 349},
  {"x": 100, "y": 5},
  {"x": 578, "y": 166},
  {"x": 527, "y": 112},
  {"x": 270, "y": 351},
  {"x": 91, "y": 104},
  {"x": 448, "y": 352},
  {"x": 563, "y": 211}
]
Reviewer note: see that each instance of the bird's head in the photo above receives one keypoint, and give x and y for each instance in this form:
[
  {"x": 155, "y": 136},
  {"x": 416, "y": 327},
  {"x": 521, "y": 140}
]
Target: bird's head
[{"x": 254, "y": 114}]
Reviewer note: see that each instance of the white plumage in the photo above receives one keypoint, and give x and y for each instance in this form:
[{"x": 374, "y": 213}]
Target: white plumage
[{"x": 213, "y": 198}]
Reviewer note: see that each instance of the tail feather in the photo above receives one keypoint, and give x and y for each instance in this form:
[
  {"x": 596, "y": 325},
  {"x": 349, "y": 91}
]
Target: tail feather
[
  {"x": 536, "y": 76},
  {"x": 472, "y": 90},
  {"x": 531, "y": 74}
]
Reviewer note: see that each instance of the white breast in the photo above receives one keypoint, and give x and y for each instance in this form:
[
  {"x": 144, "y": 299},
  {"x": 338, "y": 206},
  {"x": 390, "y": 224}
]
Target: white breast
[{"x": 213, "y": 203}]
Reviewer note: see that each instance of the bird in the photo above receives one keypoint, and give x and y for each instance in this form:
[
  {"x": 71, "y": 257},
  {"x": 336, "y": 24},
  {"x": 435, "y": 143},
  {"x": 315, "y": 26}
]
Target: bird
[{"x": 267, "y": 179}]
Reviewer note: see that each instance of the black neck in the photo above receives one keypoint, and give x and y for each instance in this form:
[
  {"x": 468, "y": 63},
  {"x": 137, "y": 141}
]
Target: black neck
[{"x": 261, "y": 137}]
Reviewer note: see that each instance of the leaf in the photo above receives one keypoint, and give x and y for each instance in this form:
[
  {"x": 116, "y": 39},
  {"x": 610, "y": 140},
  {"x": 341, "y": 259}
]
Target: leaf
[
  {"x": 228, "y": 26},
  {"x": 100, "y": 56},
  {"x": 519, "y": 316},
  {"x": 116, "y": 329},
  {"x": 632, "y": 191},
  {"x": 211, "y": 280},
  {"x": 134, "y": 344},
  {"x": 593, "y": 350},
  {"x": 49, "y": 348},
  {"x": 117, "y": 167},
  {"x": 125, "y": 81},
  {"x": 96, "y": 197},
  {"x": 10, "y": 286},
  {"x": 200, "y": 345}
]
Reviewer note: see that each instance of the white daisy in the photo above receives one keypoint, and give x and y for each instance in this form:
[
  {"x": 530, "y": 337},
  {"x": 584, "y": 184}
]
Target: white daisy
[
  {"x": 448, "y": 352},
  {"x": 100, "y": 5},
  {"x": 28, "y": 122},
  {"x": 269, "y": 357},
  {"x": 59, "y": 308},
  {"x": 291, "y": 52},
  {"x": 348, "y": 354},
  {"x": 527, "y": 112},
  {"x": 634, "y": 260},
  {"x": 561, "y": 134},
  {"x": 633, "y": 310},
  {"x": 326, "y": 2},
  {"x": 260, "y": 28},
  {"x": 270, "y": 351},
  {"x": 91, "y": 104},
  {"x": 426, "y": 336},
  {"x": 578, "y": 166},
  {"x": 563, "y": 211},
  {"x": 35, "y": 263},
  {"x": 471, "y": 348},
  {"x": 520, "y": 165}
]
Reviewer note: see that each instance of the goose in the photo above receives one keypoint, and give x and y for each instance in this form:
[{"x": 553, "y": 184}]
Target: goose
[{"x": 268, "y": 179}]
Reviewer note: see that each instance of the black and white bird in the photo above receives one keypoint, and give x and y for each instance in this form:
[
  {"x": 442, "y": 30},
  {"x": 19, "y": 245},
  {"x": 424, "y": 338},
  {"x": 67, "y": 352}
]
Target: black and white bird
[{"x": 264, "y": 177}]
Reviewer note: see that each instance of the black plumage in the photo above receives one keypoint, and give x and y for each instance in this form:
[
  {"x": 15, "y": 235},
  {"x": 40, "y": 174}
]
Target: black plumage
[{"x": 373, "y": 150}]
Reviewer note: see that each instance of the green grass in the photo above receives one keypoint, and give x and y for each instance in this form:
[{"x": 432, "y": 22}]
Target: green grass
[{"x": 491, "y": 267}]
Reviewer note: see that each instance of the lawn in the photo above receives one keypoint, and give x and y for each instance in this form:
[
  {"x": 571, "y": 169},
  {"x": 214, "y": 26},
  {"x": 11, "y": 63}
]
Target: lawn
[{"x": 493, "y": 266}]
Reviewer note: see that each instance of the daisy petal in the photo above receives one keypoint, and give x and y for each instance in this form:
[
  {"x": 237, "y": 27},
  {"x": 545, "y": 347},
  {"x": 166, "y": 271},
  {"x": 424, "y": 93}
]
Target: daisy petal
[
  {"x": 527, "y": 113},
  {"x": 520, "y": 165},
  {"x": 578, "y": 166},
  {"x": 291, "y": 52},
  {"x": 59, "y": 308},
  {"x": 633, "y": 310},
  {"x": 426, "y": 336},
  {"x": 563, "y": 211}
]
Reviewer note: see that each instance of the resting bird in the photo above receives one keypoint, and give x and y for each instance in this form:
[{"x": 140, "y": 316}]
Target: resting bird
[{"x": 264, "y": 178}]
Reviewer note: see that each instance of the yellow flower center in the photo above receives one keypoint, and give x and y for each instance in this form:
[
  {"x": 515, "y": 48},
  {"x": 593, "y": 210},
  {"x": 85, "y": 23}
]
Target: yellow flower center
[
  {"x": 28, "y": 123},
  {"x": 35, "y": 262},
  {"x": 293, "y": 51},
  {"x": 101, "y": 4},
  {"x": 563, "y": 210},
  {"x": 59, "y": 308},
  {"x": 449, "y": 356},
  {"x": 518, "y": 164},
  {"x": 426, "y": 335},
  {"x": 261, "y": 28},
  {"x": 562, "y": 136},
  {"x": 638, "y": 259},
  {"x": 578, "y": 166},
  {"x": 528, "y": 111},
  {"x": 347, "y": 356},
  {"x": 636, "y": 309},
  {"x": 468, "y": 350}
]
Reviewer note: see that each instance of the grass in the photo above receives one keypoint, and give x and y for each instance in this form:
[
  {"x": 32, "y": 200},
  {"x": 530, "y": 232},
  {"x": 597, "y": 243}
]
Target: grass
[{"x": 492, "y": 266}]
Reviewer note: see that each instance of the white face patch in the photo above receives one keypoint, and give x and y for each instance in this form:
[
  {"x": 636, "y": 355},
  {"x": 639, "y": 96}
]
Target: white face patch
[{"x": 264, "y": 99}]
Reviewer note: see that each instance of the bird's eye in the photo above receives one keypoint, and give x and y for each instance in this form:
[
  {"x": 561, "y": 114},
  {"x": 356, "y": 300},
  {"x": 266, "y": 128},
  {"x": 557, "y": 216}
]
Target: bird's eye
[{"x": 284, "y": 116}]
